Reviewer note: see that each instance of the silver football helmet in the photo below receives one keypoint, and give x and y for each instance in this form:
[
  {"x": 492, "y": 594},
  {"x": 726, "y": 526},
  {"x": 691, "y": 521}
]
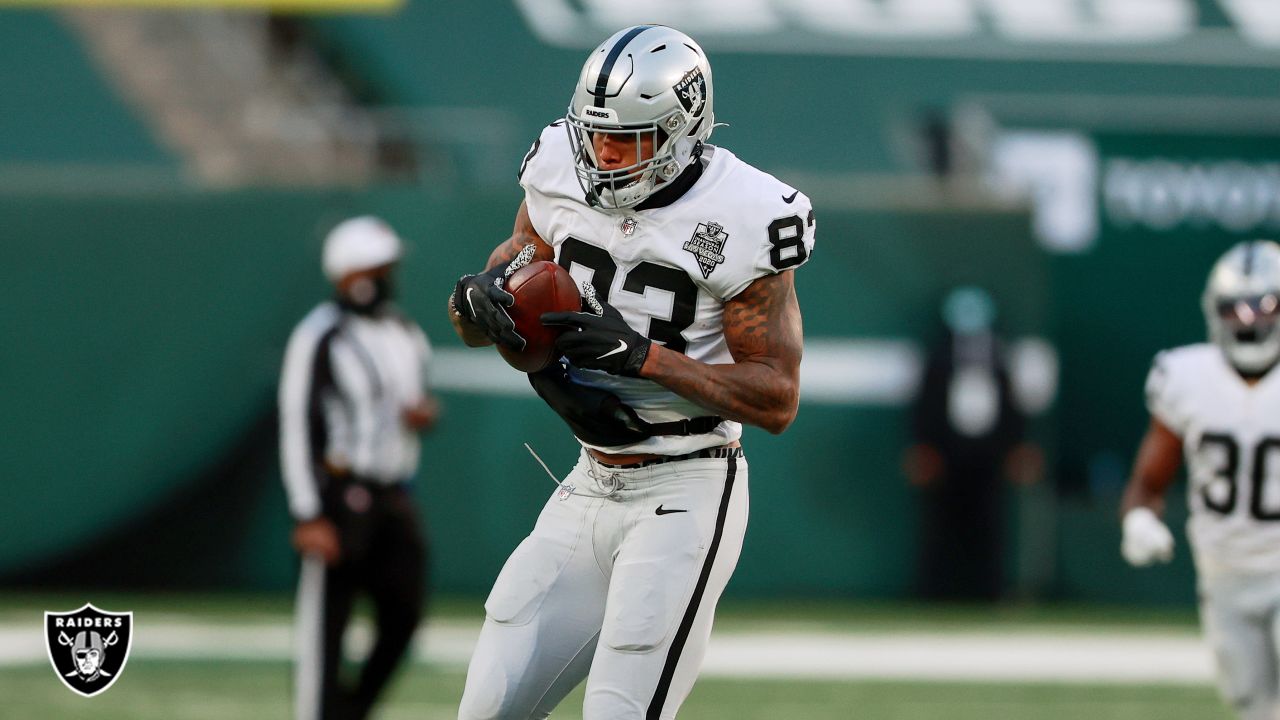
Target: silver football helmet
[
  {"x": 645, "y": 83},
  {"x": 1241, "y": 304}
]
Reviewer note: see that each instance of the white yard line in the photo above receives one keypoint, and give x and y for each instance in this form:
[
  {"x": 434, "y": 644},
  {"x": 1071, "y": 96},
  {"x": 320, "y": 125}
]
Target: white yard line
[
  {"x": 1025, "y": 656},
  {"x": 1039, "y": 657}
]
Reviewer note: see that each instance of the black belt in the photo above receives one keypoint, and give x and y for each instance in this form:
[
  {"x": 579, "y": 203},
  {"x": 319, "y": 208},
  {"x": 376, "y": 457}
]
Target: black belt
[
  {"x": 716, "y": 452},
  {"x": 371, "y": 483}
]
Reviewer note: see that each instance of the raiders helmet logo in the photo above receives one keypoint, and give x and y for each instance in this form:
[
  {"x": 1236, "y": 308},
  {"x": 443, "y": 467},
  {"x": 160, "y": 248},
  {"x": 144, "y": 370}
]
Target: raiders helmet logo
[
  {"x": 88, "y": 647},
  {"x": 691, "y": 91}
]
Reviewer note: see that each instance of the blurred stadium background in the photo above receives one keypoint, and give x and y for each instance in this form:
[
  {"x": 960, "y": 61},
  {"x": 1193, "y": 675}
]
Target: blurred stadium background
[{"x": 167, "y": 172}]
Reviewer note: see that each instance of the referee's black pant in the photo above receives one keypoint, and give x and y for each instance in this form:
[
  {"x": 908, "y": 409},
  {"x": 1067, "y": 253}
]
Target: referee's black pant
[{"x": 384, "y": 553}]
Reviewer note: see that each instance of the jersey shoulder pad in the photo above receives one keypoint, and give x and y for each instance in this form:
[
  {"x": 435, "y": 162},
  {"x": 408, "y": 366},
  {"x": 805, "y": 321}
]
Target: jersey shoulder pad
[
  {"x": 1173, "y": 378},
  {"x": 775, "y": 221},
  {"x": 548, "y": 164},
  {"x": 305, "y": 342},
  {"x": 316, "y": 324},
  {"x": 547, "y": 175}
]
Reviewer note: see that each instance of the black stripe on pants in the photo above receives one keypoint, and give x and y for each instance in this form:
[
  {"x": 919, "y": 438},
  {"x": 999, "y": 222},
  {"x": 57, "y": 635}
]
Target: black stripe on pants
[{"x": 691, "y": 612}]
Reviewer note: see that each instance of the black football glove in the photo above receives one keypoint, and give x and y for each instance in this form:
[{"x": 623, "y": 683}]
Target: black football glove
[
  {"x": 482, "y": 300},
  {"x": 599, "y": 340},
  {"x": 596, "y": 416}
]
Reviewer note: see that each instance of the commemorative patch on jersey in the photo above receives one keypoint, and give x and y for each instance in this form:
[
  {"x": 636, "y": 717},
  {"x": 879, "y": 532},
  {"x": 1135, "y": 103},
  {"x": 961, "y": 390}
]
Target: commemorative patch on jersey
[
  {"x": 707, "y": 244},
  {"x": 692, "y": 91}
]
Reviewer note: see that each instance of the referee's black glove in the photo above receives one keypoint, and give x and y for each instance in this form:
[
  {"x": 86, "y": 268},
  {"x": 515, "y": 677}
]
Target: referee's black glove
[{"x": 602, "y": 341}]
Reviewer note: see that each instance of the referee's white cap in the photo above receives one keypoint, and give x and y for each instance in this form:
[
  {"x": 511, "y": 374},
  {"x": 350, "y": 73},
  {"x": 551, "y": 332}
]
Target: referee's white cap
[{"x": 359, "y": 244}]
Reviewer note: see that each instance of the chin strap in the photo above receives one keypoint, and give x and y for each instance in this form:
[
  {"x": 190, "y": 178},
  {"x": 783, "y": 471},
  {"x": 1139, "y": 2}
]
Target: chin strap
[{"x": 1255, "y": 374}]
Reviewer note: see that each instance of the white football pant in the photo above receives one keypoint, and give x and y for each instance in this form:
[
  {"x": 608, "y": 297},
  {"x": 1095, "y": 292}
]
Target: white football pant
[
  {"x": 1241, "y": 619},
  {"x": 618, "y": 589}
]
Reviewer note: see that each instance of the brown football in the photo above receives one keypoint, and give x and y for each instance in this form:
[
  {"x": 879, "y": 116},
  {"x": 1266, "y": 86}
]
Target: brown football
[{"x": 539, "y": 287}]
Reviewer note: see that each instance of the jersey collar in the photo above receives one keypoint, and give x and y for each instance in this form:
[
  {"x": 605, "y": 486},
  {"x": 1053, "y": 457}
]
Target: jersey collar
[{"x": 675, "y": 189}]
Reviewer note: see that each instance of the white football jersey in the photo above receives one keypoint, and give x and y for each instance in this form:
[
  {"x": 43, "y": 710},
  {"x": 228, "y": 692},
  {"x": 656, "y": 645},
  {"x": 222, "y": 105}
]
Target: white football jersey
[
  {"x": 669, "y": 270},
  {"x": 1231, "y": 437}
]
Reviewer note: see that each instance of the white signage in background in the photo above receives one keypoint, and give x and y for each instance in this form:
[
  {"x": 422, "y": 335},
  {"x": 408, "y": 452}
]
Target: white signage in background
[
  {"x": 694, "y": 16},
  {"x": 1258, "y": 20},
  {"x": 1162, "y": 194},
  {"x": 777, "y": 25},
  {"x": 1072, "y": 191},
  {"x": 919, "y": 19},
  {"x": 1058, "y": 172},
  {"x": 1099, "y": 21}
]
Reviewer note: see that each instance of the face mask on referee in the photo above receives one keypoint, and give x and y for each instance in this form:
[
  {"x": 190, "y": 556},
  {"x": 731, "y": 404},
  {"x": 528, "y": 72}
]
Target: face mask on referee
[{"x": 366, "y": 293}]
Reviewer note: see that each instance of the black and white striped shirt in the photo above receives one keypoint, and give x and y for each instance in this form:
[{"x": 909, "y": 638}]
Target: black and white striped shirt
[{"x": 346, "y": 382}]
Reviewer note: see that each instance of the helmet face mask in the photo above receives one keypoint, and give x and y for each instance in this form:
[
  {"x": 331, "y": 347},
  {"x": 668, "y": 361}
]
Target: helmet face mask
[
  {"x": 646, "y": 86},
  {"x": 640, "y": 173},
  {"x": 1241, "y": 304}
]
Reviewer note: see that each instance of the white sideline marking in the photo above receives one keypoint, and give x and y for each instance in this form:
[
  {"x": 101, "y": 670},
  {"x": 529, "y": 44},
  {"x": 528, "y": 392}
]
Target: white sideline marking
[
  {"x": 835, "y": 371},
  {"x": 1177, "y": 658},
  {"x": 1039, "y": 657},
  {"x": 882, "y": 372}
]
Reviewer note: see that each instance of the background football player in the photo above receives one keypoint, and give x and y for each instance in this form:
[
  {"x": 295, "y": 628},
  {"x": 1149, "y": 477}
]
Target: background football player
[
  {"x": 1219, "y": 403},
  {"x": 696, "y": 329}
]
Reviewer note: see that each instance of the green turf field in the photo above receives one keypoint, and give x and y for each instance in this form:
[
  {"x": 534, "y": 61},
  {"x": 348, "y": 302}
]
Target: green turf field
[
  {"x": 152, "y": 690},
  {"x": 186, "y": 687}
]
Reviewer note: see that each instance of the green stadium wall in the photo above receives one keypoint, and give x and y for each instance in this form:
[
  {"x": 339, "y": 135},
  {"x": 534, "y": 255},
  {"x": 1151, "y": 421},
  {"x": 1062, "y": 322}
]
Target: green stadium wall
[
  {"x": 145, "y": 339},
  {"x": 143, "y": 333}
]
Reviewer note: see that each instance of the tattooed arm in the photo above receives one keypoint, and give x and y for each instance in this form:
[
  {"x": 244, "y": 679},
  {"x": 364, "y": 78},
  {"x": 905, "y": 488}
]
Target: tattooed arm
[
  {"x": 523, "y": 234},
  {"x": 763, "y": 328}
]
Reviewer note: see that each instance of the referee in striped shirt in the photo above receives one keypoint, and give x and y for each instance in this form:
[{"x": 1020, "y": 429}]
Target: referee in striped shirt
[{"x": 352, "y": 403}]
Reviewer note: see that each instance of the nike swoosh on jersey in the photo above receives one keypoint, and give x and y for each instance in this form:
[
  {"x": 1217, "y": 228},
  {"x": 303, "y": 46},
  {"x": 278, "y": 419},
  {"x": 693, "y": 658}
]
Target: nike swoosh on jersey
[
  {"x": 788, "y": 199},
  {"x": 622, "y": 347},
  {"x": 663, "y": 511}
]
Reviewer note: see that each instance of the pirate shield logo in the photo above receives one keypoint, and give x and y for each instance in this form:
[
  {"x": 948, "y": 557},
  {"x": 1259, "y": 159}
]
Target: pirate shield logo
[
  {"x": 88, "y": 647},
  {"x": 691, "y": 91}
]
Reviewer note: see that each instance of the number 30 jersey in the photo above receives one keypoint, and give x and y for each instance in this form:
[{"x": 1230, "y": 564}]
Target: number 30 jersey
[
  {"x": 1231, "y": 437},
  {"x": 669, "y": 270}
]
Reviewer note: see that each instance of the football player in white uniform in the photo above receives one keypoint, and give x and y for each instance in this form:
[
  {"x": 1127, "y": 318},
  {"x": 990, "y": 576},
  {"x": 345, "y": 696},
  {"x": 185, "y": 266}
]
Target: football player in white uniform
[
  {"x": 690, "y": 327},
  {"x": 1219, "y": 403}
]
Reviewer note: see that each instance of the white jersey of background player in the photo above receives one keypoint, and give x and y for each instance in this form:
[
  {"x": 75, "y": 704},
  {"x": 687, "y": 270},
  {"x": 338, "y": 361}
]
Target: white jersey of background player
[
  {"x": 1219, "y": 404},
  {"x": 691, "y": 328}
]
